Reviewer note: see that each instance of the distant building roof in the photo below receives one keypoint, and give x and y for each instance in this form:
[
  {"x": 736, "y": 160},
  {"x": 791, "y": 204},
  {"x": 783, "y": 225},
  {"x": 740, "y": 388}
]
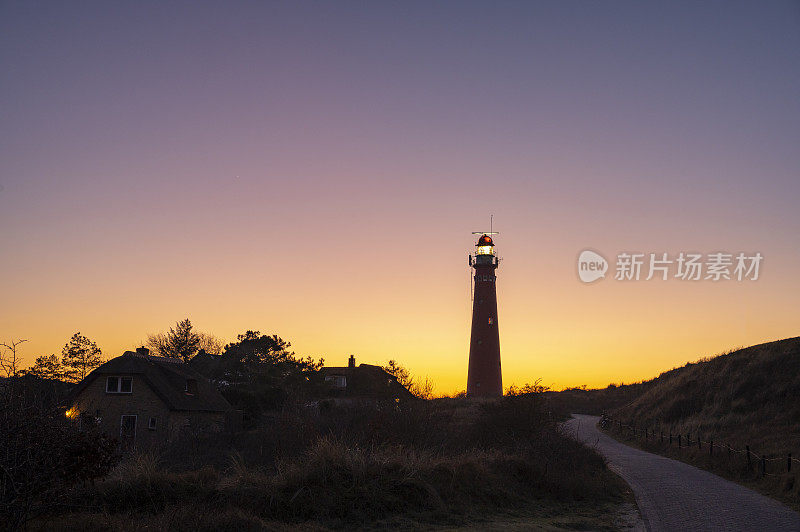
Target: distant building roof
[
  {"x": 205, "y": 363},
  {"x": 367, "y": 380},
  {"x": 167, "y": 377}
]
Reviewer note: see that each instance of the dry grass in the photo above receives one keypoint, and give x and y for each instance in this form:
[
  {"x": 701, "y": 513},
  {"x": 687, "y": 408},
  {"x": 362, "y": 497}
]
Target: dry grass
[
  {"x": 746, "y": 397},
  {"x": 437, "y": 464}
]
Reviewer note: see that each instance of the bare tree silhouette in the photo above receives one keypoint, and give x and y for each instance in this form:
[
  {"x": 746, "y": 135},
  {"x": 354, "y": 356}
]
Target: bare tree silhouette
[{"x": 9, "y": 360}]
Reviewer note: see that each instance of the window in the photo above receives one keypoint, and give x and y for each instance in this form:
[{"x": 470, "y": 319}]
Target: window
[
  {"x": 339, "y": 381},
  {"x": 119, "y": 385},
  {"x": 152, "y": 424},
  {"x": 191, "y": 387},
  {"x": 127, "y": 428}
]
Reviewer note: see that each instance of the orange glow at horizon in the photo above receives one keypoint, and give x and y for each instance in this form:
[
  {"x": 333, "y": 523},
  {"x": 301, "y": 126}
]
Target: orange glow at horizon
[{"x": 375, "y": 304}]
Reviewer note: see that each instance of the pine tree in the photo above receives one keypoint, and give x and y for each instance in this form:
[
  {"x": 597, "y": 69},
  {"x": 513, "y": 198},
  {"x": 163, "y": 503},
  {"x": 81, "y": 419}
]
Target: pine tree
[
  {"x": 48, "y": 367},
  {"x": 79, "y": 357},
  {"x": 180, "y": 342}
]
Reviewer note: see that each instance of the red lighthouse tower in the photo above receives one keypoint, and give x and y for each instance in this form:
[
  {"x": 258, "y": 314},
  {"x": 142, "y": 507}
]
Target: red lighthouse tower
[{"x": 484, "y": 378}]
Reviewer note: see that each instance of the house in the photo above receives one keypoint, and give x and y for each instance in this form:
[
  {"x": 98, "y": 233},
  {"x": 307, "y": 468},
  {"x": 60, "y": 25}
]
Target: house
[
  {"x": 143, "y": 400},
  {"x": 206, "y": 363},
  {"x": 359, "y": 383}
]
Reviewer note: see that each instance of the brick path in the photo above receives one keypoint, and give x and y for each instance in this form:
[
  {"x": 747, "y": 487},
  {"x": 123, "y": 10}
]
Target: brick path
[{"x": 673, "y": 495}]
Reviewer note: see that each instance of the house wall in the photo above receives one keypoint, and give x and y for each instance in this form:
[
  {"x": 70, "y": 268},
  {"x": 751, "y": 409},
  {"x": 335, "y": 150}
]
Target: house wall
[
  {"x": 143, "y": 403},
  {"x": 194, "y": 422}
]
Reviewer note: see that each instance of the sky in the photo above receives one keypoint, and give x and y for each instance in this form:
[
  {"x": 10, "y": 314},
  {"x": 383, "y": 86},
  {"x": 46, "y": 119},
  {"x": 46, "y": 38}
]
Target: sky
[{"x": 315, "y": 170}]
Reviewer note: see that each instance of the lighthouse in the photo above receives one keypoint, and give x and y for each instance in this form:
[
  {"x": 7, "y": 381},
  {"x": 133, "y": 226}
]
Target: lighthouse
[{"x": 484, "y": 377}]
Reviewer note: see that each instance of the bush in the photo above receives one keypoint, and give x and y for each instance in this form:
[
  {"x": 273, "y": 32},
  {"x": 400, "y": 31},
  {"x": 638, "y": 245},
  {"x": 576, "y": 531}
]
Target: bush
[{"x": 43, "y": 453}]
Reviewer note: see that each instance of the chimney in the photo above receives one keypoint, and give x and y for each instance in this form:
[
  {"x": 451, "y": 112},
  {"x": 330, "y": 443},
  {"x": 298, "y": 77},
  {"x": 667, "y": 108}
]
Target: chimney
[
  {"x": 351, "y": 363},
  {"x": 142, "y": 351}
]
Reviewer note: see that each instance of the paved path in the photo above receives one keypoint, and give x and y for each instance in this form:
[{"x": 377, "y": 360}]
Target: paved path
[{"x": 673, "y": 495}]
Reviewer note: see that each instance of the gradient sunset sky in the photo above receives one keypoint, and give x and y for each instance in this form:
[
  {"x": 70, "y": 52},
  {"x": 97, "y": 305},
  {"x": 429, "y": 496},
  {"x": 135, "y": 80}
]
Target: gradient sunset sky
[{"x": 314, "y": 170}]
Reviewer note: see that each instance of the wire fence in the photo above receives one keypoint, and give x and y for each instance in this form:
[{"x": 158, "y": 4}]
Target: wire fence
[{"x": 685, "y": 441}]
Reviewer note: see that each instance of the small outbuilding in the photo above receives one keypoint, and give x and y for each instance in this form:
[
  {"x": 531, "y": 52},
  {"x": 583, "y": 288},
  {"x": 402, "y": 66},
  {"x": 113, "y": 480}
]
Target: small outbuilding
[{"x": 143, "y": 400}]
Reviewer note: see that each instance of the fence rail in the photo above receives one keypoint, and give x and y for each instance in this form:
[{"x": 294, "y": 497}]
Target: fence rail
[{"x": 684, "y": 441}]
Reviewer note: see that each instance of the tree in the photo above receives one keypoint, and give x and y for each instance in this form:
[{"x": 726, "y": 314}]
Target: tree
[
  {"x": 79, "y": 357},
  {"x": 9, "y": 360},
  {"x": 257, "y": 354},
  {"x": 211, "y": 344},
  {"x": 261, "y": 373},
  {"x": 48, "y": 367},
  {"x": 423, "y": 390},
  {"x": 402, "y": 374},
  {"x": 183, "y": 342}
]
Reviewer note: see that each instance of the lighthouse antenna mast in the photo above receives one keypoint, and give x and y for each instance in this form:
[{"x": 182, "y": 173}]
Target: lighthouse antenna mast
[{"x": 491, "y": 230}]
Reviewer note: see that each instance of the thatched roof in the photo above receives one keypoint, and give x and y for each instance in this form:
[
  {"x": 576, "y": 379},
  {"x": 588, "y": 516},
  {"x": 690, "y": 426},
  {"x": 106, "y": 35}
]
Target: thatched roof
[
  {"x": 367, "y": 380},
  {"x": 166, "y": 377}
]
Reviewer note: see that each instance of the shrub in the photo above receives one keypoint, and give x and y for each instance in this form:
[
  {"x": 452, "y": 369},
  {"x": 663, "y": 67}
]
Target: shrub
[{"x": 43, "y": 453}]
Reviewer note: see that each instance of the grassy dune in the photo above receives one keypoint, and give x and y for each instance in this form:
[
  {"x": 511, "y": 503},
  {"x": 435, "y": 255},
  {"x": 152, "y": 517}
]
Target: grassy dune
[{"x": 745, "y": 397}]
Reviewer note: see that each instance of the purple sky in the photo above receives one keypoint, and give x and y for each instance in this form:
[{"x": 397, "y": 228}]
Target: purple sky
[{"x": 289, "y": 166}]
